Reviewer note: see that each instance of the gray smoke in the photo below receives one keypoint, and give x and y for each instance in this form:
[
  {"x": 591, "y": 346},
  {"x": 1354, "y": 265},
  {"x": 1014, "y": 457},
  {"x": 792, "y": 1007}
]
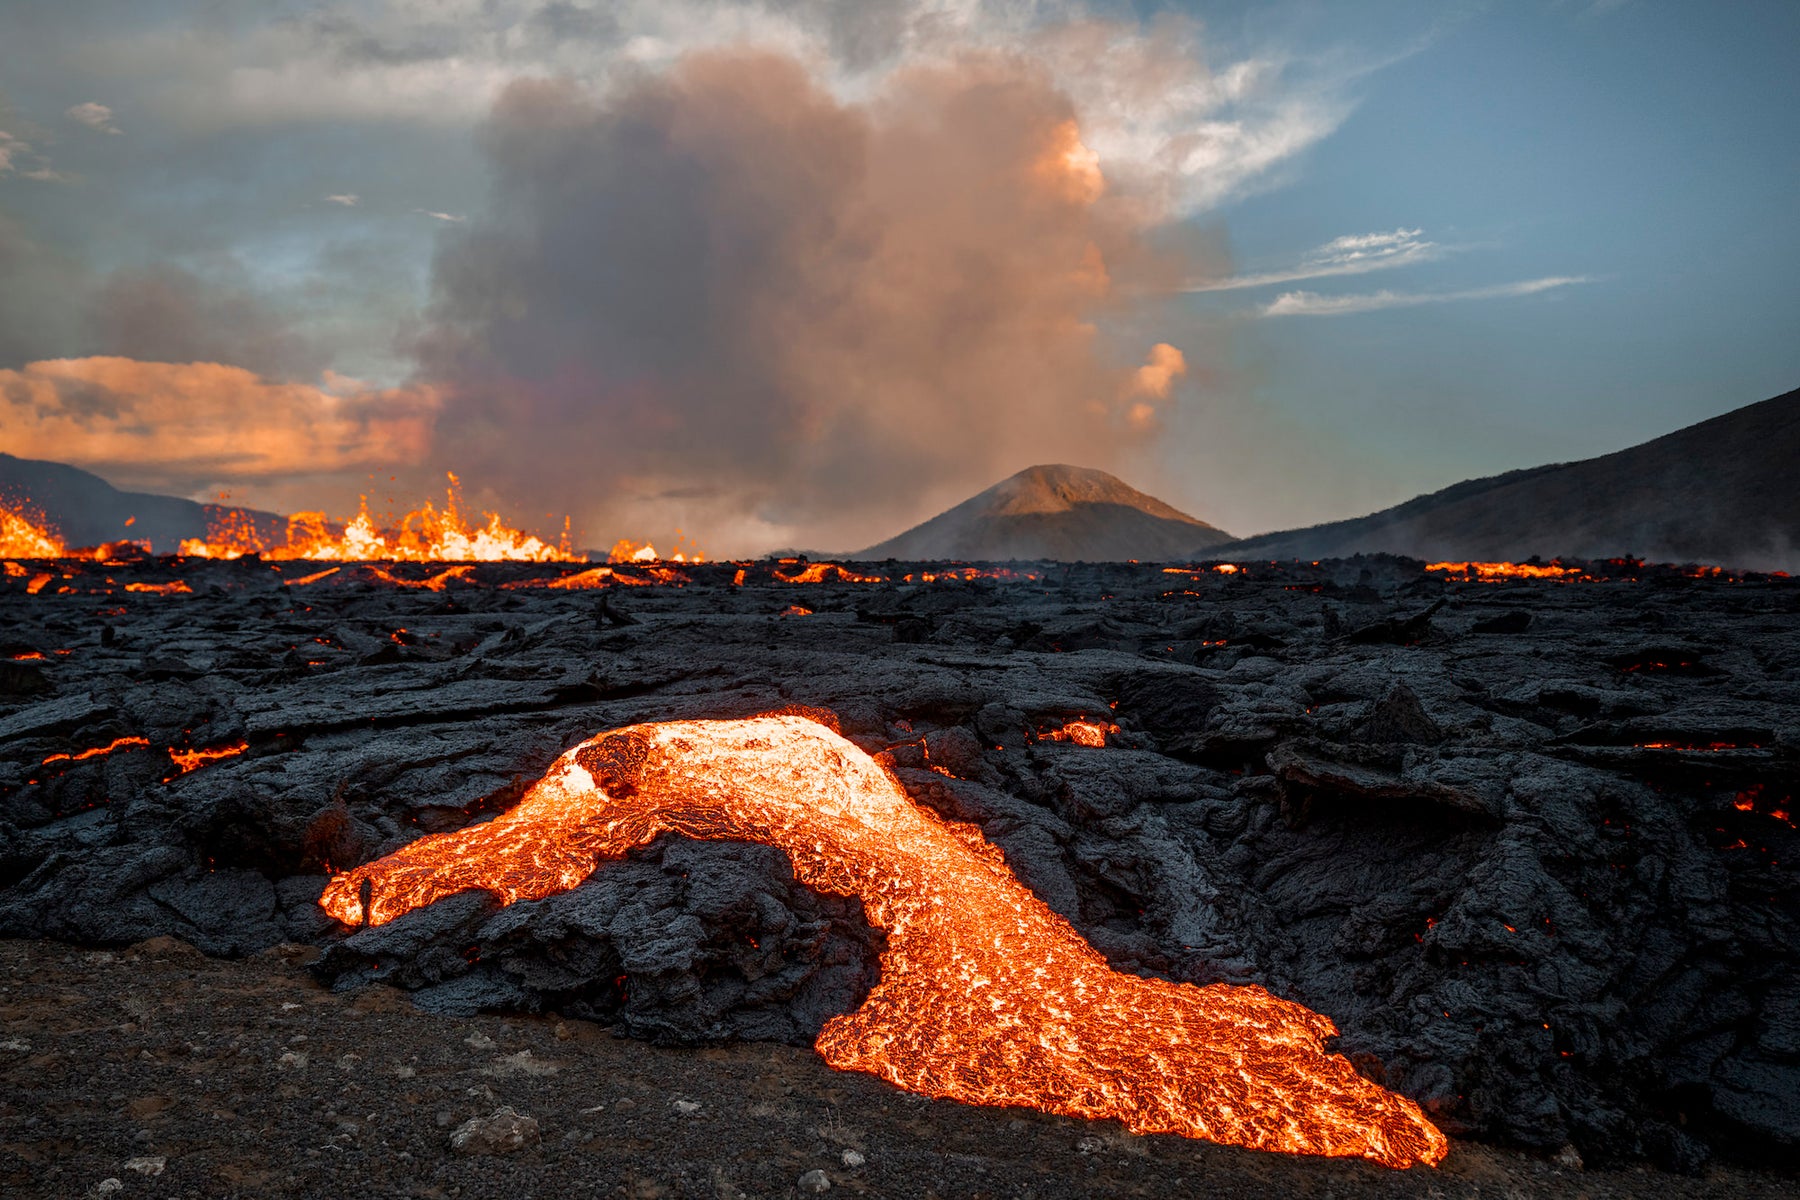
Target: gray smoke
[{"x": 722, "y": 296}]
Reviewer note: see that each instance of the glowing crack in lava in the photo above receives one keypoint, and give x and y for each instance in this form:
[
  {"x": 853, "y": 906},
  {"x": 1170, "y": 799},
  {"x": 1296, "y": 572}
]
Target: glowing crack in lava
[
  {"x": 986, "y": 995},
  {"x": 1504, "y": 570}
]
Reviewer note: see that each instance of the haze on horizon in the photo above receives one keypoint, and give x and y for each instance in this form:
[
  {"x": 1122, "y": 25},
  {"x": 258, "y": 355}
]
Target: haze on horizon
[{"x": 793, "y": 272}]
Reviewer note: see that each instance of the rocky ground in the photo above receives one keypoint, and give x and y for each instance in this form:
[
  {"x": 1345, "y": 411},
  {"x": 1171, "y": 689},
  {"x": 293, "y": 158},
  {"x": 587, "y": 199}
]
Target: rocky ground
[
  {"x": 174, "y": 1075},
  {"x": 1529, "y": 843}
]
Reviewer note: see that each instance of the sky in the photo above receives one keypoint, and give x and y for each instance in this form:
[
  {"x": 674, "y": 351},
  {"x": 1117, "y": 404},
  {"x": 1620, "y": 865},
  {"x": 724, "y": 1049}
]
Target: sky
[{"x": 801, "y": 273}]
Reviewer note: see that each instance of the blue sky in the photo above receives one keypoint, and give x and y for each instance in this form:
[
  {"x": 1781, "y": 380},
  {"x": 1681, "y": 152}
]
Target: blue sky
[{"x": 1429, "y": 241}]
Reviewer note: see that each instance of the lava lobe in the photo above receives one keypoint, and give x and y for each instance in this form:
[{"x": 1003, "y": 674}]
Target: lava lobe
[{"x": 987, "y": 996}]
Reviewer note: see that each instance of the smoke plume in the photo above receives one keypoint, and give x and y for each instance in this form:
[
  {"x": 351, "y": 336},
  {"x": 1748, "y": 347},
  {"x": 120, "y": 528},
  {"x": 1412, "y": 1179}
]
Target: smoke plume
[{"x": 721, "y": 295}]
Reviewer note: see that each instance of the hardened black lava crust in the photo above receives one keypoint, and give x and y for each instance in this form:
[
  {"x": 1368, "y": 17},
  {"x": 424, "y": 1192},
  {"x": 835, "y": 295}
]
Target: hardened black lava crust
[{"x": 1529, "y": 842}]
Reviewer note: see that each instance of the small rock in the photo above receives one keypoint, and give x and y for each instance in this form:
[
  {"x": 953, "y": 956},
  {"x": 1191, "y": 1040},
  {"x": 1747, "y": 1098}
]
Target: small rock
[
  {"x": 501, "y": 1132},
  {"x": 291, "y": 1061},
  {"x": 15, "y": 1044},
  {"x": 687, "y": 1107},
  {"x": 150, "y": 1165},
  {"x": 480, "y": 1041},
  {"x": 814, "y": 1182},
  {"x": 852, "y": 1159},
  {"x": 1569, "y": 1158},
  {"x": 107, "y": 1187},
  {"x": 1089, "y": 1145}
]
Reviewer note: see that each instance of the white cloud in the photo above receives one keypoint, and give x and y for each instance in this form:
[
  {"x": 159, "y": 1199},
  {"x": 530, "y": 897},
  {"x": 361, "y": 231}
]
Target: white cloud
[
  {"x": 440, "y": 216},
  {"x": 97, "y": 117},
  {"x": 347, "y": 199},
  {"x": 1186, "y": 124},
  {"x": 1353, "y": 254},
  {"x": 1311, "y": 304}
]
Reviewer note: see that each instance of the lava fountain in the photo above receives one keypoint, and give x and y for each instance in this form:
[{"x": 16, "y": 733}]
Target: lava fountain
[{"x": 986, "y": 995}]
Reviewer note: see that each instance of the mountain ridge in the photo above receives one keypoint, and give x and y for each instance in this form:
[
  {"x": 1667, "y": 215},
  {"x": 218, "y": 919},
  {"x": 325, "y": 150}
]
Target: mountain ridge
[
  {"x": 85, "y": 510},
  {"x": 1720, "y": 491}
]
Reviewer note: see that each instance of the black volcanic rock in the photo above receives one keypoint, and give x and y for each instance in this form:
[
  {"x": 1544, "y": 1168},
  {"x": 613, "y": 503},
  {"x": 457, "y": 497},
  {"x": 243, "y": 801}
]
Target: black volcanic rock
[
  {"x": 1057, "y": 513},
  {"x": 85, "y": 510},
  {"x": 1544, "y": 876},
  {"x": 1723, "y": 492}
]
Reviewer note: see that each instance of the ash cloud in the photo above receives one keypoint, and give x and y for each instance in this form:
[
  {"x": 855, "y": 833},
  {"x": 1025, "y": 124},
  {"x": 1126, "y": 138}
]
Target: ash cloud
[{"x": 833, "y": 316}]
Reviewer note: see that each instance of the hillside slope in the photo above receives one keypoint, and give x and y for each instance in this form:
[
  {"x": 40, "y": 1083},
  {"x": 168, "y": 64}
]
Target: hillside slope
[
  {"x": 1723, "y": 491},
  {"x": 85, "y": 510}
]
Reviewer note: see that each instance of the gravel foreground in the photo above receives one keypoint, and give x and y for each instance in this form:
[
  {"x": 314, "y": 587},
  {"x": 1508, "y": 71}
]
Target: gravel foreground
[{"x": 156, "y": 1071}]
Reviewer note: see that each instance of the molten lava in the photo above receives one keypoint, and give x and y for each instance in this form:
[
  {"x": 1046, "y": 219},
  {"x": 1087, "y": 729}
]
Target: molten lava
[
  {"x": 124, "y": 743},
  {"x": 825, "y": 572},
  {"x": 424, "y": 535},
  {"x": 1504, "y": 570},
  {"x": 627, "y": 551},
  {"x": 1082, "y": 733},
  {"x": 986, "y": 995},
  {"x": 193, "y": 760},
  {"x": 22, "y": 537}
]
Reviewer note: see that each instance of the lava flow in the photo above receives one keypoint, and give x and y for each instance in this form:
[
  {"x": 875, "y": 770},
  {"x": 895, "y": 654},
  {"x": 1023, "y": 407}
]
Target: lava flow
[
  {"x": 986, "y": 995},
  {"x": 1082, "y": 732},
  {"x": 1505, "y": 570}
]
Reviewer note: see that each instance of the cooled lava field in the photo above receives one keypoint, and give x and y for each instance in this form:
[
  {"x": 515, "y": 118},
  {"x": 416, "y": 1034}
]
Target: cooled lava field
[{"x": 1529, "y": 842}]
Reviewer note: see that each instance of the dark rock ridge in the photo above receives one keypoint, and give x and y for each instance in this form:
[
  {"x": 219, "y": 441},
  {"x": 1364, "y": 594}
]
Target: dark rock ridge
[
  {"x": 85, "y": 510},
  {"x": 1066, "y": 514},
  {"x": 1530, "y": 844},
  {"x": 1720, "y": 492}
]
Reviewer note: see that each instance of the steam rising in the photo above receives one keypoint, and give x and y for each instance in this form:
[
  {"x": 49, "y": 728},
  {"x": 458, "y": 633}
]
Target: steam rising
[{"x": 724, "y": 295}]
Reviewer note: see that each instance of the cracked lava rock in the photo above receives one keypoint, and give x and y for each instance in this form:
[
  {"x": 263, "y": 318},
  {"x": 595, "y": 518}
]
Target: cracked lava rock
[{"x": 1528, "y": 843}]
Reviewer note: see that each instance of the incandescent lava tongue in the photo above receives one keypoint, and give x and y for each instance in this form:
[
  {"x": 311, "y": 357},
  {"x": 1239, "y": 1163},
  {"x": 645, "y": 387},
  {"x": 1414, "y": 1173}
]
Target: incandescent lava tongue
[{"x": 986, "y": 995}]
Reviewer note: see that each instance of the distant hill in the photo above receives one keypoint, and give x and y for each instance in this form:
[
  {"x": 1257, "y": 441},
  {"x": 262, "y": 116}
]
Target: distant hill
[
  {"x": 85, "y": 510},
  {"x": 1072, "y": 514},
  {"x": 1725, "y": 491}
]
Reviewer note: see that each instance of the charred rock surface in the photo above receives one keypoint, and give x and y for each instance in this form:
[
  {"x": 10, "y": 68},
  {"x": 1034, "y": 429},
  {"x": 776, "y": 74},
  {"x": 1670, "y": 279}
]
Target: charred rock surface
[
  {"x": 1529, "y": 843},
  {"x": 683, "y": 943}
]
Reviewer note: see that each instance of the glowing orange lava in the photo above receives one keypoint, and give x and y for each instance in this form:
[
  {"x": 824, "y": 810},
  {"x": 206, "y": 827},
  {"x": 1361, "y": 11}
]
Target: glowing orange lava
[
  {"x": 825, "y": 572},
  {"x": 124, "y": 743},
  {"x": 22, "y": 537},
  {"x": 424, "y": 535},
  {"x": 1082, "y": 733},
  {"x": 1505, "y": 570},
  {"x": 627, "y": 551},
  {"x": 190, "y": 760},
  {"x": 174, "y": 587},
  {"x": 986, "y": 995}
]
